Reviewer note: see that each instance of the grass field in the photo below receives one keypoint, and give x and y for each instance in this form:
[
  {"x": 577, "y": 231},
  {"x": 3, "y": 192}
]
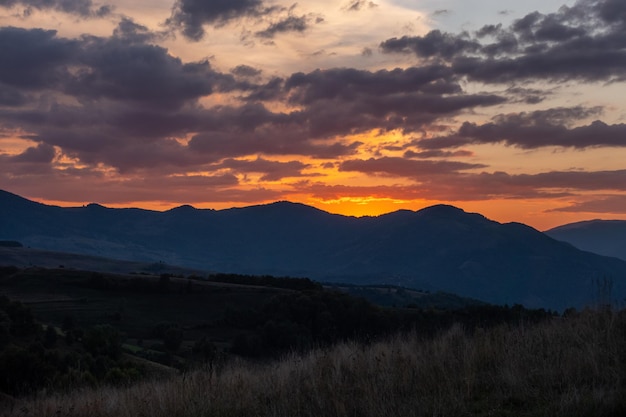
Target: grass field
[{"x": 573, "y": 366}]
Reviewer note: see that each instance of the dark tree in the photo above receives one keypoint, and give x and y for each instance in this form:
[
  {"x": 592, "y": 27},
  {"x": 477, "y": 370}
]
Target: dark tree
[
  {"x": 50, "y": 337},
  {"x": 172, "y": 338}
]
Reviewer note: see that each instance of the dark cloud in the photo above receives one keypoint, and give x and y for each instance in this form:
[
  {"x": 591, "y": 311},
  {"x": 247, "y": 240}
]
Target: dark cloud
[
  {"x": 451, "y": 187},
  {"x": 269, "y": 91},
  {"x": 10, "y": 96},
  {"x": 613, "y": 11},
  {"x": 192, "y": 15},
  {"x": 125, "y": 122},
  {"x": 288, "y": 24},
  {"x": 600, "y": 204},
  {"x": 131, "y": 98},
  {"x": 401, "y": 167},
  {"x": 555, "y": 184},
  {"x": 122, "y": 67},
  {"x": 261, "y": 132},
  {"x": 356, "y": 5},
  {"x": 138, "y": 72},
  {"x": 489, "y": 30},
  {"x": 582, "y": 42},
  {"x": 527, "y": 95},
  {"x": 271, "y": 170},
  {"x": 449, "y": 180},
  {"x": 126, "y": 103},
  {"x": 245, "y": 71},
  {"x": 437, "y": 153},
  {"x": 534, "y": 130},
  {"x": 434, "y": 44},
  {"x": 182, "y": 189},
  {"x": 348, "y": 83},
  {"x": 570, "y": 180},
  {"x": 35, "y": 58},
  {"x": 132, "y": 32},
  {"x": 41, "y": 153},
  {"x": 82, "y": 8},
  {"x": 545, "y": 184},
  {"x": 441, "y": 12}
]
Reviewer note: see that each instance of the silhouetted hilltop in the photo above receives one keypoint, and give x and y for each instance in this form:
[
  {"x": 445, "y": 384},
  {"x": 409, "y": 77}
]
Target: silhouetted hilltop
[
  {"x": 439, "y": 248},
  {"x": 605, "y": 237}
]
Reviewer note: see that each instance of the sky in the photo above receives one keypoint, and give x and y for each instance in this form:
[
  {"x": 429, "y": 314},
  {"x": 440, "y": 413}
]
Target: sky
[{"x": 357, "y": 107}]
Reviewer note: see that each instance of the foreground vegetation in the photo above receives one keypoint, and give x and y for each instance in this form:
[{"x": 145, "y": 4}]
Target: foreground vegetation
[{"x": 570, "y": 366}]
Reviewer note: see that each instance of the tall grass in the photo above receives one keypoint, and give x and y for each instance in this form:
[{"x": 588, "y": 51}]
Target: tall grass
[{"x": 571, "y": 366}]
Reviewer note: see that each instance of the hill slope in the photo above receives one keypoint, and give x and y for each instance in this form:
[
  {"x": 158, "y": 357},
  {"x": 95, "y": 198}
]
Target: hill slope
[
  {"x": 437, "y": 248},
  {"x": 605, "y": 237}
]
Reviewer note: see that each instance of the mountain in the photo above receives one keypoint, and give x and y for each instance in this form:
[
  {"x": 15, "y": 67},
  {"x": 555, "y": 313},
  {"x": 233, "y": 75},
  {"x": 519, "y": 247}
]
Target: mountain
[
  {"x": 440, "y": 248},
  {"x": 605, "y": 237}
]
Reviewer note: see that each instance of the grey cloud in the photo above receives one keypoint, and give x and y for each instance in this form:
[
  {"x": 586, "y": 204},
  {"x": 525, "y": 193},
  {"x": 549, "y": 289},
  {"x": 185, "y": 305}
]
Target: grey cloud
[
  {"x": 192, "y": 15},
  {"x": 272, "y": 90},
  {"x": 41, "y": 153},
  {"x": 553, "y": 30},
  {"x": 433, "y": 44},
  {"x": 603, "y": 204},
  {"x": 348, "y": 101},
  {"x": 270, "y": 140},
  {"x": 527, "y": 95},
  {"x": 443, "y": 180},
  {"x": 119, "y": 70},
  {"x": 408, "y": 168},
  {"x": 287, "y": 24},
  {"x": 35, "y": 58},
  {"x": 132, "y": 32},
  {"x": 356, "y": 5},
  {"x": 133, "y": 97},
  {"x": 271, "y": 170},
  {"x": 83, "y": 8},
  {"x": 10, "y": 96},
  {"x": 245, "y": 71},
  {"x": 441, "y": 12},
  {"x": 545, "y": 184},
  {"x": 489, "y": 30},
  {"x": 348, "y": 83},
  {"x": 437, "y": 153},
  {"x": 576, "y": 180},
  {"x": 122, "y": 67},
  {"x": 534, "y": 130},
  {"x": 613, "y": 11},
  {"x": 582, "y": 42}
]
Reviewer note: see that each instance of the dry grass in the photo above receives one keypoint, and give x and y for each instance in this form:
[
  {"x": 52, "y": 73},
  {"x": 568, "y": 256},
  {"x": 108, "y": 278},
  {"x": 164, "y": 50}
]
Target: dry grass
[{"x": 567, "y": 367}]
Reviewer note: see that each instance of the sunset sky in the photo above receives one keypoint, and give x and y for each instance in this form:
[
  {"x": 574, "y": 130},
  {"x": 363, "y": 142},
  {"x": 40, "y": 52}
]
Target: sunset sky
[{"x": 516, "y": 110}]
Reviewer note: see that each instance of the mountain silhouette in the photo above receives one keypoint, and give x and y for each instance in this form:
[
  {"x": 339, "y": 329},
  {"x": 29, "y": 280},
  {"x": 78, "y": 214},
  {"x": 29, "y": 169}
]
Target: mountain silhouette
[
  {"x": 605, "y": 237},
  {"x": 436, "y": 248}
]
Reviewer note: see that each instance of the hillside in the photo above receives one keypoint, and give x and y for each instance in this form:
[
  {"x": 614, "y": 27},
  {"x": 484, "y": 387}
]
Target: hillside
[
  {"x": 566, "y": 367},
  {"x": 604, "y": 237},
  {"x": 440, "y": 248},
  {"x": 63, "y": 329},
  {"x": 24, "y": 257}
]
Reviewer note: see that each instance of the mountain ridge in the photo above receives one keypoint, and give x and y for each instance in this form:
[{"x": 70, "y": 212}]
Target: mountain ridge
[
  {"x": 604, "y": 237},
  {"x": 440, "y": 248}
]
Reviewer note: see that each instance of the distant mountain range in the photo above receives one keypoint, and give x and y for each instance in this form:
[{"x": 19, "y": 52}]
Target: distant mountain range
[
  {"x": 437, "y": 248},
  {"x": 605, "y": 237}
]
